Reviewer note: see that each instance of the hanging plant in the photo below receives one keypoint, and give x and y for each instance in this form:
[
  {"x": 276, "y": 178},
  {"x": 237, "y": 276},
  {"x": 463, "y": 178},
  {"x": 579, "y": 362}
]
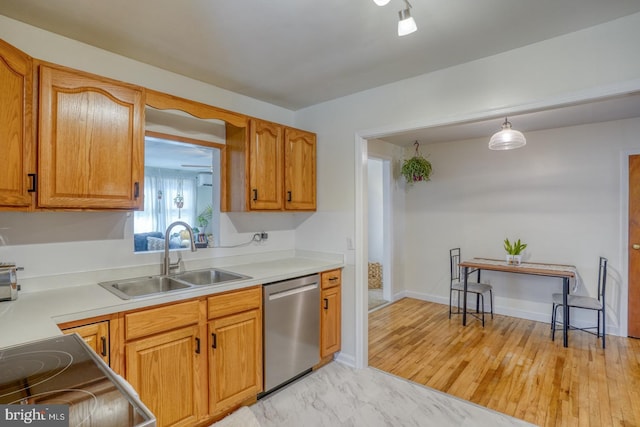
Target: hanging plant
[{"x": 417, "y": 168}]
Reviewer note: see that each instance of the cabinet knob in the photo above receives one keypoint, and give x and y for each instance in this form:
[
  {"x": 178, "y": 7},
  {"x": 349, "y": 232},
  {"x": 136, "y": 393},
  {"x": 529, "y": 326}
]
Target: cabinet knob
[{"x": 635, "y": 246}]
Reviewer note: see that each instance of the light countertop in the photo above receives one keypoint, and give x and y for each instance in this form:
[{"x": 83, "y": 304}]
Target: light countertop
[{"x": 35, "y": 315}]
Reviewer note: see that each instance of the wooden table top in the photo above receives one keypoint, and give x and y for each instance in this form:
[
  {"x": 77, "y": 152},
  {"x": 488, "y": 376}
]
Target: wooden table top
[{"x": 536, "y": 268}]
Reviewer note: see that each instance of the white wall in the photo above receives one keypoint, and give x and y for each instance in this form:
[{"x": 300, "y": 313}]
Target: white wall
[{"x": 595, "y": 62}]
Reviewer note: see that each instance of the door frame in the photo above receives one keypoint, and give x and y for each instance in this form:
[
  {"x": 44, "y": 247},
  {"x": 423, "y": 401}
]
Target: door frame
[
  {"x": 623, "y": 328},
  {"x": 387, "y": 225}
]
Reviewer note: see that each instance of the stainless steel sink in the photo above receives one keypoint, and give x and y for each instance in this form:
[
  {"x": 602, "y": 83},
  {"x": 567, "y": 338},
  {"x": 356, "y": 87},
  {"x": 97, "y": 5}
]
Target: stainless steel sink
[
  {"x": 210, "y": 276},
  {"x": 153, "y": 285},
  {"x": 144, "y": 286}
]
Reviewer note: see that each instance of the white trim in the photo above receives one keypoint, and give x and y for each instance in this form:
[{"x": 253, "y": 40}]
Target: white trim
[
  {"x": 584, "y": 96},
  {"x": 361, "y": 250}
]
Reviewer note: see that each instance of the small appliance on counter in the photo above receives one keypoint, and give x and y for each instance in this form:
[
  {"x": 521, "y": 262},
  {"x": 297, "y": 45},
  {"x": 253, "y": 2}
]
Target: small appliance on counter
[
  {"x": 65, "y": 371},
  {"x": 8, "y": 281}
]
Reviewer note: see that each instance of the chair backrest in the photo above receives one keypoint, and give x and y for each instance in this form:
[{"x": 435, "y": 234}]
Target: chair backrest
[
  {"x": 454, "y": 257},
  {"x": 602, "y": 279}
]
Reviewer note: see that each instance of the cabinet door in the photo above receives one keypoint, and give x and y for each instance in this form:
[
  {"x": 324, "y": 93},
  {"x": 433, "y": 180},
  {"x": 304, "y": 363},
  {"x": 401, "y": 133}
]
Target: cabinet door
[
  {"x": 96, "y": 335},
  {"x": 164, "y": 369},
  {"x": 91, "y": 141},
  {"x": 300, "y": 170},
  {"x": 265, "y": 166},
  {"x": 235, "y": 359},
  {"x": 17, "y": 143},
  {"x": 330, "y": 321}
]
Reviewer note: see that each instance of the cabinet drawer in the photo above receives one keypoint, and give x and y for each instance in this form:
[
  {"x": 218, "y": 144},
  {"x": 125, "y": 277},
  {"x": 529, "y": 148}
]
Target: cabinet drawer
[
  {"x": 234, "y": 302},
  {"x": 148, "y": 322},
  {"x": 331, "y": 278}
]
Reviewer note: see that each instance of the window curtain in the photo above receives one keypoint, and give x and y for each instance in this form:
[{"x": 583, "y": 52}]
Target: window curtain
[{"x": 161, "y": 188}]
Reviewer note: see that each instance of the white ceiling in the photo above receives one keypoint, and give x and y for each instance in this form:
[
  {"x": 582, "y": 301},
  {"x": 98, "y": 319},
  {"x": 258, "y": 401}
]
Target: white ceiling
[{"x": 296, "y": 53}]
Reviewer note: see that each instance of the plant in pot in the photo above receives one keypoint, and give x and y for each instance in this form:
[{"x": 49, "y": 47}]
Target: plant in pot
[
  {"x": 417, "y": 168},
  {"x": 204, "y": 217},
  {"x": 514, "y": 251}
]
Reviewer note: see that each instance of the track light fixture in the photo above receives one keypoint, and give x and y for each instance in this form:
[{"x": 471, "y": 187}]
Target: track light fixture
[{"x": 406, "y": 23}]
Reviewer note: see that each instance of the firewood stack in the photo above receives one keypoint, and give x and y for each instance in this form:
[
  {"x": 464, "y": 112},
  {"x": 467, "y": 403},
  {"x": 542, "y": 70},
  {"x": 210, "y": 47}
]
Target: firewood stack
[{"x": 375, "y": 275}]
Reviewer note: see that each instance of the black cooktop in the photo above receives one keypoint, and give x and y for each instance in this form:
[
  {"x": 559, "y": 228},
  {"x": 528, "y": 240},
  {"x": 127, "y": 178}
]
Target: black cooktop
[{"x": 64, "y": 370}]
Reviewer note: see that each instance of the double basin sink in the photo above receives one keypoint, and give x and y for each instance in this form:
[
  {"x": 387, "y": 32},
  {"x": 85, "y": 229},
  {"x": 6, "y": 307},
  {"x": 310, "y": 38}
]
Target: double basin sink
[{"x": 153, "y": 285}]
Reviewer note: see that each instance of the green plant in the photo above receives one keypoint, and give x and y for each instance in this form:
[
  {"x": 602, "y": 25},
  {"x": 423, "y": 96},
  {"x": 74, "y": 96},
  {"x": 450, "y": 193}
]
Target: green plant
[
  {"x": 514, "y": 248},
  {"x": 416, "y": 168},
  {"x": 204, "y": 217}
]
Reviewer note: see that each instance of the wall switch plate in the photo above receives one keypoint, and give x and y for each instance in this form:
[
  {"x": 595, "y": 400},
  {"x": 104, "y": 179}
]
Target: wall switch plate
[{"x": 350, "y": 243}]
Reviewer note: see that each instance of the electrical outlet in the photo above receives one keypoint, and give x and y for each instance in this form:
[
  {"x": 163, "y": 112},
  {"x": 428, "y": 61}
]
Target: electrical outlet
[{"x": 264, "y": 236}]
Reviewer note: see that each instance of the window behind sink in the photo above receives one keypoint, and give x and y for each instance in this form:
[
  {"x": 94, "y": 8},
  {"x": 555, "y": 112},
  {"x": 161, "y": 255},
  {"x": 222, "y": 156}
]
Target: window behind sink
[{"x": 182, "y": 180}]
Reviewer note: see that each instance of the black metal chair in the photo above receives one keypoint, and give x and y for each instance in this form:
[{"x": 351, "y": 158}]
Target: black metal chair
[
  {"x": 473, "y": 287},
  {"x": 585, "y": 303}
]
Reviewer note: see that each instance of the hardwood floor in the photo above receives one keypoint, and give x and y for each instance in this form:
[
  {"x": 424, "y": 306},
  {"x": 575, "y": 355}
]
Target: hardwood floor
[{"x": 511, "y": 365}]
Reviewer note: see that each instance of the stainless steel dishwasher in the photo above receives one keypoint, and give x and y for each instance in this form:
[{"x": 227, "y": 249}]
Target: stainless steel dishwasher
[{"x": 291, "y": 329}]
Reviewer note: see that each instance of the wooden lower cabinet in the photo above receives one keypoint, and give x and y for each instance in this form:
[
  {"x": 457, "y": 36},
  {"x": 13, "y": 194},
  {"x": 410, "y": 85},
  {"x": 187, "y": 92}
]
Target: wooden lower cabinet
[
  {"x": 235, "y": 348},
  {"x": 330, "y": 313},
  {"x": 164, "y": 360},
  {"x": 96, "y": 335},
  {"x": 165, "y": 371},
  {"x": 235, "y": 359},
  {"x": 192, "y": 362}
]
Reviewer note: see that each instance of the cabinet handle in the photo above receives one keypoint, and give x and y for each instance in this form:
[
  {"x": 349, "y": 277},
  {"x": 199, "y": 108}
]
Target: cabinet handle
[
  {"x": 288, "y": 196},
  {"x": 333, "y": 279},
  {"x": 214, "y": 341},
  {"x": 104, "y": 346},
  {"x": 326, "y": 304},
  {"x": 255, "y": 194},
  {"x": 34, "y": 183},
  {"x": 197, "y": 345},
  {"x": 136, "y": 190}
]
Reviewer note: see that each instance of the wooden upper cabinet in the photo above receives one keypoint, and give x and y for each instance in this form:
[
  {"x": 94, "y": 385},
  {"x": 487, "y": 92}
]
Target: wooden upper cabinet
[
  {"x": 269, "y": 168},
  {"x": 265, "y": 165},
  {"x": 17, "y": 143},
  {"x": 91, "y": 141},
  {"x": 299, "y": 170}
]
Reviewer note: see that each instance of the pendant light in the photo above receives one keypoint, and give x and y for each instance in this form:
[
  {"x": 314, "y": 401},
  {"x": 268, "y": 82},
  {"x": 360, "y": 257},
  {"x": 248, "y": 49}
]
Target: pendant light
[
  {"x": 406, "y": 23},
  {"x": 381, "y": 2},
  {"x": 507, "y": 138}
]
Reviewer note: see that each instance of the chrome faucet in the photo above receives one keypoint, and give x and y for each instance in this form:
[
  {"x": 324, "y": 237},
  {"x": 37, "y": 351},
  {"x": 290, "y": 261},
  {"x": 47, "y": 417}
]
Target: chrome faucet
[{"x": 166, "y": 265}]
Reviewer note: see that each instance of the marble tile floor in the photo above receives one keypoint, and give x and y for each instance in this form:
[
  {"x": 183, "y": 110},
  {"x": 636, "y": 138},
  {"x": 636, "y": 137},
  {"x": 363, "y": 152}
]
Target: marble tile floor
[{"x": 337, "y": 395}]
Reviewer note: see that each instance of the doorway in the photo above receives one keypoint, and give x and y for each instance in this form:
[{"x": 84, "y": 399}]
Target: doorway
[{"x": 379, "y": 233}]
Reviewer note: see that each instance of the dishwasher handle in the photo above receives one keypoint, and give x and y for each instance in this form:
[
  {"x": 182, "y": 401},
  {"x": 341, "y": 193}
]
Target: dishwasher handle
[{"x": 293, "y": 291}]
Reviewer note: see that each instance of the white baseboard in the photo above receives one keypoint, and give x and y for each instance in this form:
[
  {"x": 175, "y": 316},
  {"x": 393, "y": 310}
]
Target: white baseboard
[
  {"x": 345, "y": 359},
  {"x": 508, "y": 311}
]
